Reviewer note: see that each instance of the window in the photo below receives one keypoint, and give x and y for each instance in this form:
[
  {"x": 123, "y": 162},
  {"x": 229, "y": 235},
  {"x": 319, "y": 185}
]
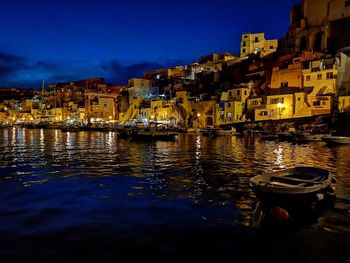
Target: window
[
  {"x": 299, "y": 99},
  {"x": 229, "y": 105},
  {"x": 324, "y": 103},
  {"x": 238, "y": 92},
  {"x": 222, "y": 116},
  {"x": 244, "y": 44},
  {"x": 316, "y": 103},
  {"x": 105, "y": 105},
  {"x": 256, "y": 39},
  {"x": 319, "y": 76},
  {"x": 308, "y": 77},
  {"x": 271, "y": 47},
  {"x": 276, "y": 100},
  {"x": 229, "y": 116},
  {"x": 347, "y": 2},
  {"x": 243, "y": 50},
  {"x": 329, "y": 75},
  {"x": 284, "y": 84},
  {"x": 245, "y": 93},
  {"x": 264, "y": 113}
]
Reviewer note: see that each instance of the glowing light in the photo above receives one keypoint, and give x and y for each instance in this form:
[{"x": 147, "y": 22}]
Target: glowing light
[
  {"x": 279, "y": 105},
  {"x": 198, "y": 114}
]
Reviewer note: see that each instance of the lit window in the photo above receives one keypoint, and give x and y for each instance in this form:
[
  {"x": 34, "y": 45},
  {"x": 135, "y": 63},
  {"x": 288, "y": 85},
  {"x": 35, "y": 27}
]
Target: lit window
[{"x": 319, "y": 76}]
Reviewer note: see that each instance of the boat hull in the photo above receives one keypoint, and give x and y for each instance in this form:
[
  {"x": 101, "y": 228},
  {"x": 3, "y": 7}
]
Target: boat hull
[
  {"x": 298, "y": 187},
  {"x": 336, "y": 139}
]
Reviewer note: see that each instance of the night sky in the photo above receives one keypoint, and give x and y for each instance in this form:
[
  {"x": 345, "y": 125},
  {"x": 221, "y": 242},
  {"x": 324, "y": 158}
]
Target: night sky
[{"x": 64, "y": 40}]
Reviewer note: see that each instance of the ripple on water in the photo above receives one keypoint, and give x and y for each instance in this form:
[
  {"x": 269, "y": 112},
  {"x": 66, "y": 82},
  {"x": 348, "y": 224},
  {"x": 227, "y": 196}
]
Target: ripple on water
[{"x": 89, "y": 173}]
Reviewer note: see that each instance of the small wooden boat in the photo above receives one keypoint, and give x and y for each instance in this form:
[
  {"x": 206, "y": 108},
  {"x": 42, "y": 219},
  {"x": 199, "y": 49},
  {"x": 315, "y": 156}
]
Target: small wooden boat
[
  {"x": 333, "y": 139},
  {"x": 297, "y": 185}
]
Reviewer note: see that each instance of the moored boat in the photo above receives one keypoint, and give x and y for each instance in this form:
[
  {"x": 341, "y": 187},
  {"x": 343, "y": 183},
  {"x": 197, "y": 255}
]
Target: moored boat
[
  {"x": 299, "y": 186},
  {"x": 222, "y": 132},
  {"x": 309, "y": 137},
  {"x": 147, "y": 134},
  {"x": 333, "y": 139}
]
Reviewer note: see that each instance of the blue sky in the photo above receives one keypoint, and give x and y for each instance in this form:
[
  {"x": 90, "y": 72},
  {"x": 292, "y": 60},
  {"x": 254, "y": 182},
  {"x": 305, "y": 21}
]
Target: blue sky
[{"x": 61, "y": 40}]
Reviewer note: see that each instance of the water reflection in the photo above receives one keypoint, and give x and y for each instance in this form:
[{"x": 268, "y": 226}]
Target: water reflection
[{"x": 94, "y": 174}]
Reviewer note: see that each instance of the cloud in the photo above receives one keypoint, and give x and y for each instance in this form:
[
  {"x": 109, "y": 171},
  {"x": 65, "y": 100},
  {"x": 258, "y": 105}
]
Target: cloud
[
  {"x": 18, "y": 71},
  {"x": 11, "y": 63},
  {"x": 120, "y": 73}
]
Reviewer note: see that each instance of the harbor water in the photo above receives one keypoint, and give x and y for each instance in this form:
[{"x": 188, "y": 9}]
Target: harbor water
[{"x": 91, "y": 196}]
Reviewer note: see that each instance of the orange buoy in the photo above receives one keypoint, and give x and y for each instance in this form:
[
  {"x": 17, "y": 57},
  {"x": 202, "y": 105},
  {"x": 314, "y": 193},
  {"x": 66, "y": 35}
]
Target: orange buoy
[{"x": 279, "y": 214}]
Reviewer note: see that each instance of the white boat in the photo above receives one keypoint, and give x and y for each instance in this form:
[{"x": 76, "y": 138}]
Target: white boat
[
  {"x": 333, "y": 139},
  {"x": 222, "y": 132},
  {"x": 299, "y": 185}
]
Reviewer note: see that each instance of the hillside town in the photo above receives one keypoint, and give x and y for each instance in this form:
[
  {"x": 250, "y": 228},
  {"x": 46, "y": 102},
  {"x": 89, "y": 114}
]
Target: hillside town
[{"x": 304, "y": 75}]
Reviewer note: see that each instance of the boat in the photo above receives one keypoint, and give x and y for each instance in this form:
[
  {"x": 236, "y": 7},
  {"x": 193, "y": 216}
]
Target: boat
[
  {"x": 299, "y": 186},
  {"x": 153, "y": 132},
  {"x": 268, "y": 136},
  {"x": 208, "y": 132},
  {"x": 222, "y": 132},
  {"x": 309, "y": 137},
  {"x": 336, "y": 140}
]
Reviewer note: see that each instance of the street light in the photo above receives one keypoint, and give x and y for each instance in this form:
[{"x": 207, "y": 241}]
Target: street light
[{"x": 279, "y": 106}]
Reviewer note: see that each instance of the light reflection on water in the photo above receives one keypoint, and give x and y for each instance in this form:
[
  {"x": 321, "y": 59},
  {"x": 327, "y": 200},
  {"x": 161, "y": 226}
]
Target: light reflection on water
[{"x": 87, "y": 177}]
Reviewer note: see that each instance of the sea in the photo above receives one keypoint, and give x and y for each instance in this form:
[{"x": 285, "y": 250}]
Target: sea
[{"x": 91, "y": 196}]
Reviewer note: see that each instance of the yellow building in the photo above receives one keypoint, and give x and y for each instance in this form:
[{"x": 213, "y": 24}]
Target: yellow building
[
  {"x": 162, "y": 111},
  {"x": 320, "y": 77},
  {"x": 253, "y": 103},
  {"x": 256, "y": 43},
  {"x": 277, "y": 107},
  {"x": 228, "y": 112},
  {"x": 287, "y": 76},
  {"x": 203, "y": 114},
  {"x": 100, "y": 107},
  {"x": 344, "y": 104},
  {"x": 320, "y": 105},
  {"x": 240, "y": 93},
  {"x": 133, "y": 111},
  {"x": 143, "y": 88},
  {"x": 48, "y": 115}
]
